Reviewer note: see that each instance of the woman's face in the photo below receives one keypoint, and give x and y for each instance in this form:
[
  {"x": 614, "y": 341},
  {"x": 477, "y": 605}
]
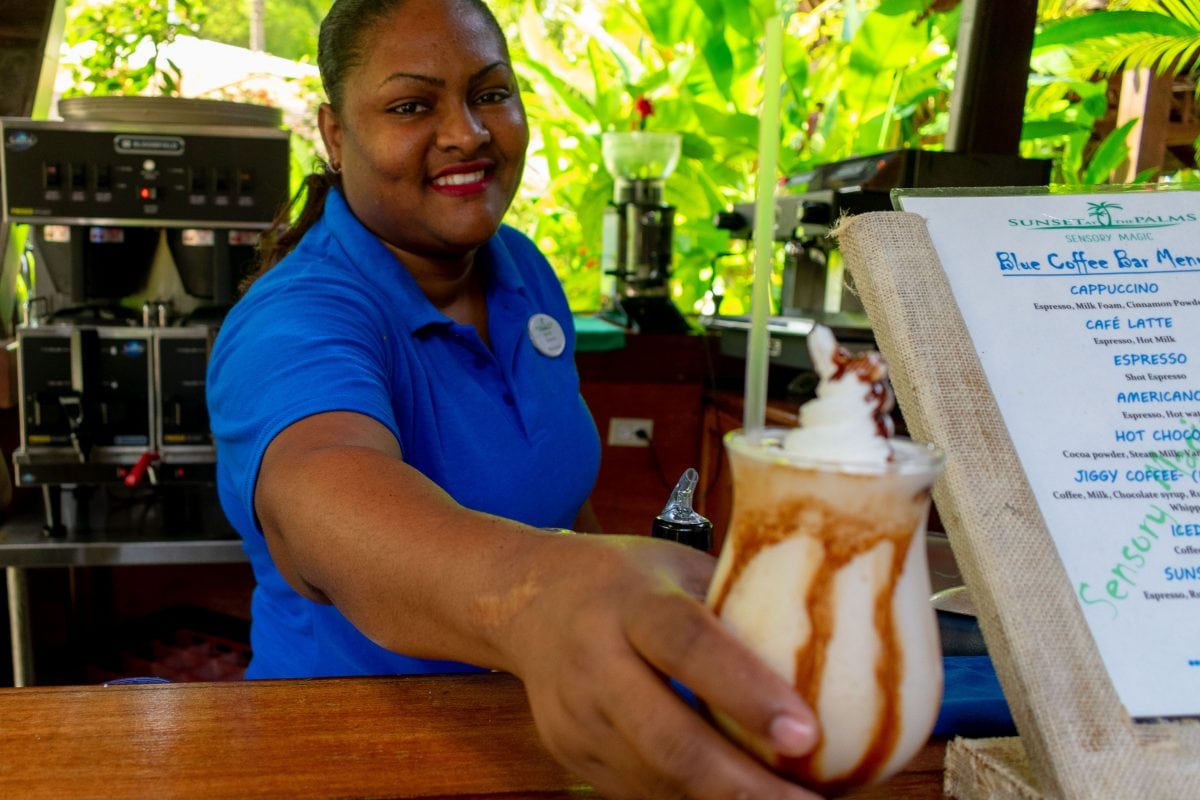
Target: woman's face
[{"x": 431, "y": 135}]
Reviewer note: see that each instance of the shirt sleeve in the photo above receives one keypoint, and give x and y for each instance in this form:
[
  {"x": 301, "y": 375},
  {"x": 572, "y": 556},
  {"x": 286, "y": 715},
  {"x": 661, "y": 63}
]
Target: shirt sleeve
[{"x": 288, "y": 350}]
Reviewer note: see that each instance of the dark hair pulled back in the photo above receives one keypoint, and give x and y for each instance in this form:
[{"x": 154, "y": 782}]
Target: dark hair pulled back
[{"x": 340, "y": 49}]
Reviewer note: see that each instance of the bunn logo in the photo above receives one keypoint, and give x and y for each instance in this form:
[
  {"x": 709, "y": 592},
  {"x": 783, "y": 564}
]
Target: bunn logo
[
  {"x": 1103, "y": 215},
  {"x": 19, "y": 141}
]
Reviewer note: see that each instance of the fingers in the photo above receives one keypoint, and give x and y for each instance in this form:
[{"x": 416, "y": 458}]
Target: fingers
[
  {"x": 599, "y": 695},
  {"x": 634, "y": 739},
  {"x": 683, "y": 640},
  {"x": 685, "y": 757}
]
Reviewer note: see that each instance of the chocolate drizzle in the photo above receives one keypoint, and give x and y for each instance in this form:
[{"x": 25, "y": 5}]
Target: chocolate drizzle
[
  {"x": 762, "y": 518},
  {"x": 870, "y": 368}
]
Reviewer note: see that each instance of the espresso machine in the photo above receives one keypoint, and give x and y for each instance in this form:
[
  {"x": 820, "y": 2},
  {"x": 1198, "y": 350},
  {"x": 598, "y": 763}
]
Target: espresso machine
[
  {"x": 815, "y": 288},
  {"x": 638, "y": 233},
  {"x": 142, "y": 217}
]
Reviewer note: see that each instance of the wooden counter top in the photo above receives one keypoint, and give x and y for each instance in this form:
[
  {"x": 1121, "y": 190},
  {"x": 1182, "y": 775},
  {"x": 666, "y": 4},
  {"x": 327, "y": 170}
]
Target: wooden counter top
[{"x": 413, "y": 737}]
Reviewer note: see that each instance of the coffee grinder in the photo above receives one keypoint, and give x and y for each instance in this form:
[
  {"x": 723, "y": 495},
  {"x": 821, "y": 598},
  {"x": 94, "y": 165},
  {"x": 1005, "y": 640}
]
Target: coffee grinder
[{"x": 638, "y": 233}]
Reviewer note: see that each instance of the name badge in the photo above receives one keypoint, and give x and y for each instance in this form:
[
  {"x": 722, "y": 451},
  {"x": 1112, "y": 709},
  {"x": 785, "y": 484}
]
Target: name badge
[{"x": 547, "y": 335}]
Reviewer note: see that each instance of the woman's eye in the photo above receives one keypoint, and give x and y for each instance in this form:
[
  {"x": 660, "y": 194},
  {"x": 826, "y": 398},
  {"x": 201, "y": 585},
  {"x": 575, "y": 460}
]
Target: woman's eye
[
  {"x": 410, "y": 107},
  {"x": 494, "y": 96}
]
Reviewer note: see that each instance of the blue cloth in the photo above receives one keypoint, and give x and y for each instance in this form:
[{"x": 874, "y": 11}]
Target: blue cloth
[
  {"x": 340, "y": 325},
  {"x": 139, "y": 681},
  {"x": 973, "y": 704}
]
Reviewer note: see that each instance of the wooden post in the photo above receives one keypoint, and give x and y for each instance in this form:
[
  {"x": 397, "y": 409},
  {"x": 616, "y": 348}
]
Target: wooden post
[
  {"x": 987, "y": 105},
  {"x": 1147, "y": 98}
]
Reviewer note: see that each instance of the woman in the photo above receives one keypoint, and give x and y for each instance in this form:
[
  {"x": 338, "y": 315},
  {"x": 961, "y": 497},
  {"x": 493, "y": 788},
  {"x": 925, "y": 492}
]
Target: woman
[{"x": 398, "y": 422}]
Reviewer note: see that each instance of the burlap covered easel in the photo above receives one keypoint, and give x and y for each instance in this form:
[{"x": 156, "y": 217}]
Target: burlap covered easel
[{"x": 1076, "y": 740}]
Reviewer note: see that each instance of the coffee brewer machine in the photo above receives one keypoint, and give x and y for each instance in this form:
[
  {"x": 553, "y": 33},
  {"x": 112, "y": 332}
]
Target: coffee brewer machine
[
  {"x": 143, "y": 215},
  {"x": 638, "y": 233},
  {"x": 815, "y": 289}
]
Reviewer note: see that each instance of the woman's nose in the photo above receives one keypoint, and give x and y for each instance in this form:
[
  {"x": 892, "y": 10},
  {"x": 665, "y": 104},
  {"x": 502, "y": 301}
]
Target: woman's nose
[{"x": 462, "y": 129}]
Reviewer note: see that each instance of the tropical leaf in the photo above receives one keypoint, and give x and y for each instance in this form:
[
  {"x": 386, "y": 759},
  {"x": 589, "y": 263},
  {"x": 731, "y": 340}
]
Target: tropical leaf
[
  {"x": 1186, "y": 11},
  {"x": 714, "y": 11},
  {"x": 1075, "y": 30},
  {"x": 1112, "y": 152},
  {"x": 737, "y": 17},
  {"x": 671, "y": 22},
  {"x": 1049, "y": 128},
  {"x": 1163, "y": 55},
  {"x": 719, "y": 58},
  {"x": 571, "y": 97}
]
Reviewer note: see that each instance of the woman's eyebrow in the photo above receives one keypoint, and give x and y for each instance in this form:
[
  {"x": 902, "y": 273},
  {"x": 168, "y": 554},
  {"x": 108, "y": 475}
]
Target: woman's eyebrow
[
  {"x": 439, "y": 82},
  {"x": 414, "y": 77},
  {"x": 481, "y": 73}
]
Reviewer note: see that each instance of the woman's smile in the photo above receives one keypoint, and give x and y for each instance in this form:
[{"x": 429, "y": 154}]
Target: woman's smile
[{"x": 461, "y": 180}]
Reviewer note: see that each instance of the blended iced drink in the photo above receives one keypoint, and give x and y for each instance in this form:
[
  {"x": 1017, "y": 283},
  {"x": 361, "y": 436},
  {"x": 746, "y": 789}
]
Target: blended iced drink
[{"x": 823, "y": 572}]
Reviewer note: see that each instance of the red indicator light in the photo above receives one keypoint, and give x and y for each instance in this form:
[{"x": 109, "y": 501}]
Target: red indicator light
[
  {"x": 179, "y": 473},
  {"x": 148, "y": 193}
]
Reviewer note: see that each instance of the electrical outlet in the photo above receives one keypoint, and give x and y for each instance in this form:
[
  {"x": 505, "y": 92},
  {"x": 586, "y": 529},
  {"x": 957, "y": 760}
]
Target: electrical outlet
[{"x": 623, "y": 432}]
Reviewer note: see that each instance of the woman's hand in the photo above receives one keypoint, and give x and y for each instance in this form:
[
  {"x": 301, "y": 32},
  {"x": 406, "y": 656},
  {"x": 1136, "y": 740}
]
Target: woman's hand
[{"x": 603, "y": 623}]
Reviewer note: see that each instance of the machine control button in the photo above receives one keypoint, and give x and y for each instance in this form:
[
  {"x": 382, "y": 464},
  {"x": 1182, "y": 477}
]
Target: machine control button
[
  {"x": 245, "y": 180},
  {"x": 102, "y": 177},
  {"x": 52, "y": 175},
  {"x": 77, "y": 177},
  {"x": 197, "y": 183}
]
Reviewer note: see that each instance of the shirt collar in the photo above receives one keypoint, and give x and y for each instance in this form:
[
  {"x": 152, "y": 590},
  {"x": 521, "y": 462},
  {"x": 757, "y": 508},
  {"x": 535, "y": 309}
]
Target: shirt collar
[{"x": 368, "y": 255}]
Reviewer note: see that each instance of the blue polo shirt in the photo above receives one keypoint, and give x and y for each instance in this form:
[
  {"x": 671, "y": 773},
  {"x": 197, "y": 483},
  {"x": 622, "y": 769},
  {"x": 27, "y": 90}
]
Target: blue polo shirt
[{"x": 340, "y": 325}]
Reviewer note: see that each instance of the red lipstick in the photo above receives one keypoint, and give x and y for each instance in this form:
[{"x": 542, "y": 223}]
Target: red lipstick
[{"x": 465, "y": 178}]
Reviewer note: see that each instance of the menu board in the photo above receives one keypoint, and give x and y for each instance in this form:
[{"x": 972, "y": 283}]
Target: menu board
[{"x": 1085, "y": 312}]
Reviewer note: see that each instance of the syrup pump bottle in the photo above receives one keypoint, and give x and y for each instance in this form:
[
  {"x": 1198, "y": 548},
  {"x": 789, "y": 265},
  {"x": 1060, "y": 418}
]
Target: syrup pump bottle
[{"x": 678, "y": 522}]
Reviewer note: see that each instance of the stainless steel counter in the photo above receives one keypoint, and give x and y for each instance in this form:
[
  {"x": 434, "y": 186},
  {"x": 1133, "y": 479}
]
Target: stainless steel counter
[{"x": 193, "y": 533}]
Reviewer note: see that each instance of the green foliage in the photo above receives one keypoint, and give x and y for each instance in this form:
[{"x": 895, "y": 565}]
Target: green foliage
[
  {"x": 128, "y": 36},
  {"x": 1071, "y": 58},
  {"x": 860, "y": 76},
  {"x": 291, "y": 25},
  {"x": 1163, "y": 36},
  {"x": 857, "y": 81}
]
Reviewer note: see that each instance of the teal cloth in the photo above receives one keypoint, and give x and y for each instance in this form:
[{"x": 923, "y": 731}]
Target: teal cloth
[{"x": 594, "y": 335}]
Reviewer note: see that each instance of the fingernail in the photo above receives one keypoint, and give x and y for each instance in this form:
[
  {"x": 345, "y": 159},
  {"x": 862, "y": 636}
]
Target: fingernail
[{"x": 791, "y": 736}]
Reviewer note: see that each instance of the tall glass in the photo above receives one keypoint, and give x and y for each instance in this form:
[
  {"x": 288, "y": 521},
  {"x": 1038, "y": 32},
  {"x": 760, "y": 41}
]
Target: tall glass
[{"x": 823, "y": 572}]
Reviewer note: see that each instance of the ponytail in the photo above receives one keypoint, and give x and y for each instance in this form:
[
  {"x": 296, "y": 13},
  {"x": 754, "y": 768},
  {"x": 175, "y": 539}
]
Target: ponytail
[{"x": 285, "y": 234}]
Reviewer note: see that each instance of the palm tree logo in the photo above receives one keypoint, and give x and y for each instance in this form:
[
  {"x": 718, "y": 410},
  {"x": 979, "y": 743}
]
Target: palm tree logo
[{"x": 1103, "y": 213}]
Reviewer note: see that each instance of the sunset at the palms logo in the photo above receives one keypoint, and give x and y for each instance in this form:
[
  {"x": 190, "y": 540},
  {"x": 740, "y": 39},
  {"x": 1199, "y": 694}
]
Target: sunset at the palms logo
[
  {"x": 1102, "y": 212},
  {"x": 1100, "y": 216}
]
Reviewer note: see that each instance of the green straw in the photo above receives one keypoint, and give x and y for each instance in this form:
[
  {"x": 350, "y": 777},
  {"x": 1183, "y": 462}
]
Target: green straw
[{"x": 754, "y": 412}]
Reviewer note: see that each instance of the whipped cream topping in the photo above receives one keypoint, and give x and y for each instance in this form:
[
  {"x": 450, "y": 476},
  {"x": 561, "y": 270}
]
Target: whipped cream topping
[{"x": 848, "y": 420}]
